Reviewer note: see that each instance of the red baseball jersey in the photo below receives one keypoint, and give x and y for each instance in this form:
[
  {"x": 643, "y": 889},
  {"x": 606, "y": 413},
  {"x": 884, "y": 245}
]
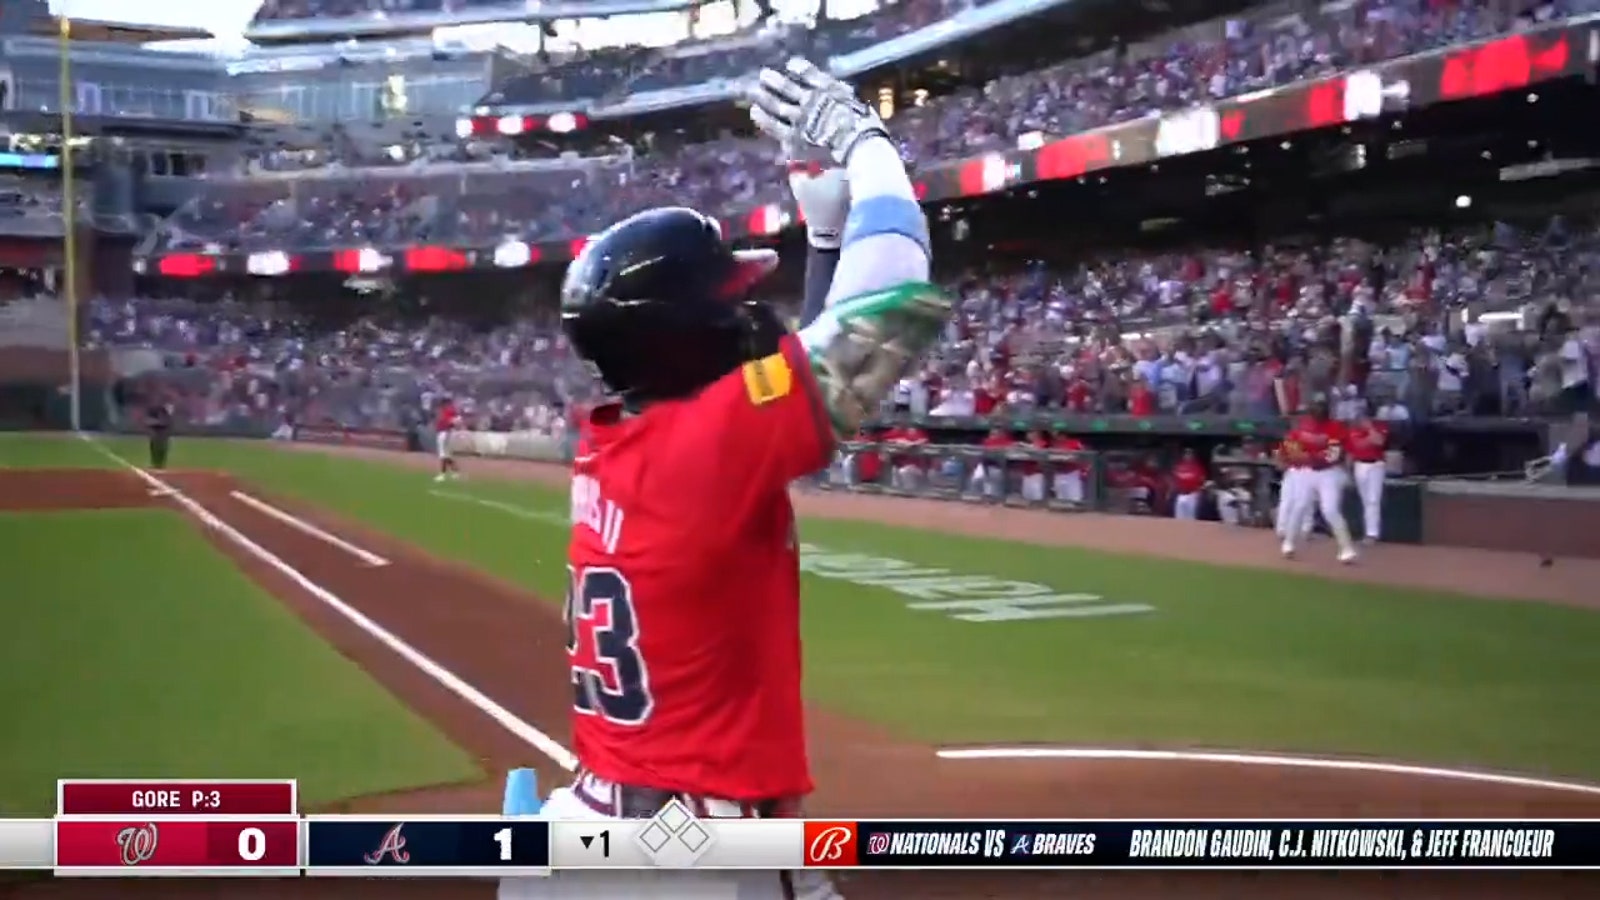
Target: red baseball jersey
[
  {"x": 997, "y": 441},
  {"x": 1188, "y": 476},
  {"x": 1367, "y": 442},
  {"x": 446, "y": 418},
  {"x": 1323, "y": 441},
  {"x": 1289, "y": 453},
  {"x": 869, "y": 463},
  {"x": 683, "y": 598},
  {"x": 908, "y": 435},
  {"x": 1069, "y": 444},
  {"x": 1037, "y": 443}
]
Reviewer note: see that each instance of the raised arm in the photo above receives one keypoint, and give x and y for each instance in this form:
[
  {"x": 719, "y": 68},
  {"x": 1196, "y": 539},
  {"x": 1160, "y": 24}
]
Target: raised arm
[
  {"x": 881, "y": 314},
  {"x": 823, "y": 196}
]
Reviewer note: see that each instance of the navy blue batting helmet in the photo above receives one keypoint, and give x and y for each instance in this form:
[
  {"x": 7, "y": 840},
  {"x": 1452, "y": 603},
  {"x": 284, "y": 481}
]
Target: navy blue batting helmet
[{"x": 660, "y": 305}]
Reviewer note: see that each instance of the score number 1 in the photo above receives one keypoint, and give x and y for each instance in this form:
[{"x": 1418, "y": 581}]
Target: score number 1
[
  {"x": 503, "y": 837},
  {"x": 525, "y": 844}
]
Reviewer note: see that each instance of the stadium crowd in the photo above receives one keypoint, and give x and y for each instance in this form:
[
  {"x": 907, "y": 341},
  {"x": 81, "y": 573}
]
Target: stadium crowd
[
  {"x": 232, "y": 363},
  {"x": 352, "y": 196},
  {"x": 1490, "y": 321},
  {"x": 279, "y": 10}
]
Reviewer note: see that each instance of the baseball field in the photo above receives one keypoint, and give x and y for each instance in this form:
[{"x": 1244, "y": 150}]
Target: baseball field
[{"x": 336, "y": 616}]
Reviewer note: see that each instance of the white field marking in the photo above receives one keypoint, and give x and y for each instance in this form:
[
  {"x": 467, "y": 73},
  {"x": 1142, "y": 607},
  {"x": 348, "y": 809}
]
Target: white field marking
[
  {"x": 1266, "y": 759},
  {"x": 301, "y": 525},
  {"x": 510, "y": 509},
  {"x": 447, "y": 679}
]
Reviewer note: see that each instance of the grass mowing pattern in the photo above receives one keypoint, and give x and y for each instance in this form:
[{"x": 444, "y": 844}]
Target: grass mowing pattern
[
  {"x": 136, "y": 651},
  {"x": 1234, "y": 657}
]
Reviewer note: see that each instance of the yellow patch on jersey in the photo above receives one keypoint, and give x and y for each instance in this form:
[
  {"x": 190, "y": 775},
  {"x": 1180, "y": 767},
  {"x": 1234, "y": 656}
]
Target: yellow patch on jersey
[{"x": 768, "y": 379}]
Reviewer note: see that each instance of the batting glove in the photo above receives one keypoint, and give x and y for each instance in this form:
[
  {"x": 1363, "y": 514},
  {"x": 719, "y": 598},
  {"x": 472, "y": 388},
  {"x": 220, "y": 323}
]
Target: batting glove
[
  {"x": 823, "y": 196},
  {"x": 803, "y": 106}
]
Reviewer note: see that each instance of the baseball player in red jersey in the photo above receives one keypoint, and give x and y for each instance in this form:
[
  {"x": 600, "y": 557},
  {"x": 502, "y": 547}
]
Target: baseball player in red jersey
[
  {"x": 684, "y": 585},
  {"x": 989, "y": 475},
  {"x": 908, "y": 470},
  {"x": 867, "y": 464},
  {"x": 1324, "y": 443},
  {"x": 1033, "y": 489},
  {"x": 1068, "y": 479},
  {"x": 445, "y": 421},
  {"x": 1189, "y": 480},
  {"x": 1369, "y": 439},
  {"x": 1292, "y": 482}
]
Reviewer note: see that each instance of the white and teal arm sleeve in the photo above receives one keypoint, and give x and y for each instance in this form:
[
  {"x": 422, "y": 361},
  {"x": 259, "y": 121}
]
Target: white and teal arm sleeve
[
  {"x": 882, "y": 314},
  {"x": 885, "y": 239}
]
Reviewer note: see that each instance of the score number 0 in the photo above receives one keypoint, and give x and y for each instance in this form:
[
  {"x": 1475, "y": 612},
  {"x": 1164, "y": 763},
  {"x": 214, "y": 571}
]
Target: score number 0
[{"x": 252, "y": 844}]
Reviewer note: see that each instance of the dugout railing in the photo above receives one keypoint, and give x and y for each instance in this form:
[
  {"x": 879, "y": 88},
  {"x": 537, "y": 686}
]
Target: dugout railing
[
  {"x": 1063, "y": 481},
  {"x": 1243, "y": 490}
]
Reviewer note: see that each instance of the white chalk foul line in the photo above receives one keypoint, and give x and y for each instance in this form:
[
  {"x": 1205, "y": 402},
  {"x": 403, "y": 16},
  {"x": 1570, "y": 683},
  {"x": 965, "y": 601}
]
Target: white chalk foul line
[
  {"x": 1266, "y": 759},
  {"x": 301, "y": 525},
  {"x": 510, "y": 509},
  {"x": 447, "y": 679}
]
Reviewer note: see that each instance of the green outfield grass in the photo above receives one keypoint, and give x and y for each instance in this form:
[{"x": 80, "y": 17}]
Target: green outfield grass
[
  {"x": 1228, "y": 657},
  {"x": 26, "y": 450},
  {"x": 132, "y": 649}
]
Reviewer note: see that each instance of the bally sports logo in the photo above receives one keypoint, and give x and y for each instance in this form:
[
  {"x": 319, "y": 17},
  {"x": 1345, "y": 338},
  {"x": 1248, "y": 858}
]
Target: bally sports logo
[{"x": 831, "y": 844}]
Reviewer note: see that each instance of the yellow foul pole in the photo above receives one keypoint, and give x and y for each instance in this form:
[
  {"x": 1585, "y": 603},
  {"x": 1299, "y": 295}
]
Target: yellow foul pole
[{"x": 69, "y": 215}]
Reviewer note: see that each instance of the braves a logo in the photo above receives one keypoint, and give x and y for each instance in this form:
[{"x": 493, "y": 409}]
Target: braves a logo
[
  {"x": 138, "y": 843},
  {"x": 393, "y": 847},
  {"x": 1019, "y": 846}
]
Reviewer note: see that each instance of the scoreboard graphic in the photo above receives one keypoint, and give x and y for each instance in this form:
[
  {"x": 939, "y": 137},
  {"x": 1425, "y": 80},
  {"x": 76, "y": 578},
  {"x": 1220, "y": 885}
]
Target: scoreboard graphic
[{"x": 255, "y": 829}]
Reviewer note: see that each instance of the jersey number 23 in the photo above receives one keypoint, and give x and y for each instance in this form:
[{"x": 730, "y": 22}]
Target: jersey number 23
[{"x": 609, "y": 678}]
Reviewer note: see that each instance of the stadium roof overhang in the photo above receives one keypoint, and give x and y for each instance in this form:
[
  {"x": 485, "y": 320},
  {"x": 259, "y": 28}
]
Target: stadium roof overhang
[{"x": 115, "y": 32}]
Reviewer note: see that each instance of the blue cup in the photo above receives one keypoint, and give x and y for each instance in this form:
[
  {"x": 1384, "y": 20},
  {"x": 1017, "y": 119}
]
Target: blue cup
[{"x": 522, "y": 793}]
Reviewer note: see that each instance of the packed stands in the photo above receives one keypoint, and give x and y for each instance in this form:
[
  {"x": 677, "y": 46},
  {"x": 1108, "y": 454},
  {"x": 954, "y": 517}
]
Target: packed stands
[
  {"x": 612, "y": 74},
  {"x": 240, "y": 363},
  {"x": 1481, "y": 321},
  {"x": 273, "y": 10},
  {"x": 347, "y": 197},
  {"x": 1484, "y": 319}
]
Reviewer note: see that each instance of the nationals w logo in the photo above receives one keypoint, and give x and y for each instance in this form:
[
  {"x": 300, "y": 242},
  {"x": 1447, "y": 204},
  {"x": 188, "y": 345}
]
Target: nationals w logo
[
  {"x": 138, "y": 843},
  {"x": 392, "y": 847}
]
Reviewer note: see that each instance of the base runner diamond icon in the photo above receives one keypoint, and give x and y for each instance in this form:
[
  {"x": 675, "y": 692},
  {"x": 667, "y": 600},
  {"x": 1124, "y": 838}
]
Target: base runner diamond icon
[
  {"x": 673, "y": 839},
  {"x": 694, "y": 837},
  {"x": 654, "y": 837},
  {"x": 673, "y": 816}
]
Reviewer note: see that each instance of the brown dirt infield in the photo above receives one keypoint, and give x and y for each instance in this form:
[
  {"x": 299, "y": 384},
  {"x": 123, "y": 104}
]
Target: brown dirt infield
[
  {"x": 507, "y": 644},
  {"x": 1460, "y": 570}
]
